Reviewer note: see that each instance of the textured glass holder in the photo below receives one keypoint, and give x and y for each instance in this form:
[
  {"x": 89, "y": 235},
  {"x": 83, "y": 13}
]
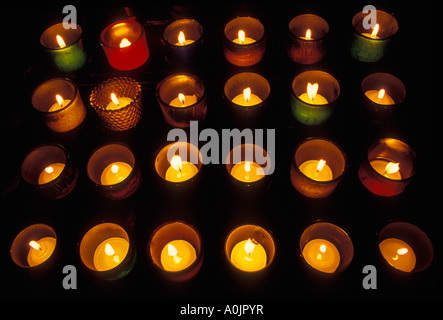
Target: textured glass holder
[
  {"x": 65, "y": 118},
  {"x": 123, "y": 118},
  {"x": 307, "y": 51},
  {"x": 367, "y": 49}
]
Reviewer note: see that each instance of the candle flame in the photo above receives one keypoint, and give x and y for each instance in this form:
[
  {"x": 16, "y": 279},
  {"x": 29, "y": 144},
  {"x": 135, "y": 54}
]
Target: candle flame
[
  {"x": 375, "y": 31},
  {"x": 392, "y": 167},
  {"x": 60, "y": 41},
  {"x": 249, "y": 247},
  {"x": 312, "y": 90},
  {"x": 173, "y": 252},
  {"x": 114, "y": 99},
  {"x": 322, "y": 248},
  {"x": 308, "y": 34},
  {"x": 59, "y": 99},
  {"x": 241, "y": 36},
  {"x": 320, "y": 165},
  {"x": 109, "y": 250},
  {"x": 49, "y": 169},
  {"x": 247, "y": 94},
  {"x": 247, "y": 167},
  {"x": 181, "y": 38},
  {"x": 35, "y": 245},
  {"x": 181, "y": 97},
  {"x": 402, "y": 251},
  {"x": 176, "y": 163},
  {"x": 114, "y": 169},
  {"x": 381, "y": 93},
  {"x": 125, "y": 43}
]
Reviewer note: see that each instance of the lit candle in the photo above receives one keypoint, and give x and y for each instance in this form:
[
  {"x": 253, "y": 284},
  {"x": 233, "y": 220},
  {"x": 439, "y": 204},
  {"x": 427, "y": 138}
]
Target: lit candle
[
  {"x": 249, "y": 255},
  {"x": 59, "y": 104},
  {"x": 373, "y": 34},
  {"x": 40, "y": 250},
  {"x": 311, "y": 96},
  {"x": 124, "y": 43},
  {"x": 308, "y": 35},
  {"x": 110, "y": 253},
  {"x": 182, "y": 41},
  {"x": 180, "y": 170},
  {"x": 247, "y": 99},
  {"x": 321, "y": 255},
  {"x": 317, "y": 170},
  {"x": 247, "y": 171},
  {"x": 398, "y": 254},
  {"x": 115, "y": 173},
  {"x": 183, "y": 100},
  {"x": 380, "y": 97},
  {"x": 177, "y": 255},
  {"x": 50, "y": 172},
  {"x": 118, "y": 103},
  {"x": 60, "y": 41},
  {"x": 387, "y": 168},
  {"x": 243, "y": 39}
]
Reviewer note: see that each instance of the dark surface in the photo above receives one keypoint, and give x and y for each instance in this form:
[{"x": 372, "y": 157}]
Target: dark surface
[{"x": 211, "y": 207}]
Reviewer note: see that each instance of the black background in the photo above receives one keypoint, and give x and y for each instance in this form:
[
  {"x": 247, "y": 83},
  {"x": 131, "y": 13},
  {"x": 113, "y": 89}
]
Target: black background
[{"x": 212, "y": 207}]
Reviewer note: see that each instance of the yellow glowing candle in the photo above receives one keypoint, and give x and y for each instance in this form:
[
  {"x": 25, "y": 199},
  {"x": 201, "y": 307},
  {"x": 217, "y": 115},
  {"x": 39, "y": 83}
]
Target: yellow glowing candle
[
  {"x": 118, "y": 102},
  {"x": 110, "y": 253},
  {"x": 50, "y": 172},
  {"x": 180, "y": 170},
  {"x": 183, "y": 100},
  {"x": 317, "y": 170},
  {"x": 40, "y": 250},
  {"x": 311, "y": 96},
  {"x": 124, "y": 43},
  {"x": 321, "y": 255},
  {"x": 182, "y": 41},
  {"x": 373, "y": 34},
  {"x": 177, "y": 255},
  {"x": 308, "y": 35},
  {"x": 60, "y": 41},
  {"x": 398, "y": 254},
  {"x": 247, "y": 98},
  {"x": 243, "y": 39},
  {"x": 115, "y": 172},
  {"x": 59, "y": 104},
  {"x": 249, "y": 255},
  {"x": 247, "y": 171},
  {"x": 379, "y": 97},
  {"x": 387, "y": 168}
]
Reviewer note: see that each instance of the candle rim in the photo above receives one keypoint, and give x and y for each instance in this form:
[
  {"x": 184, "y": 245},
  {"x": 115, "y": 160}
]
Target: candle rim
[
  {"x": 379, "y": 12},
  {"x": 109, "y": 27},
  {"x": 257, "y": 41},
  {"x": 78, "y": 31},
  {"x": 240, "y": 75},
  {"x": 313, "y": 80},
  {"x": 74, "y": 95},
  {"x": 196, "y": 41},
  {"x": 389, "y": 81},
  {"x": 312, "y": 40},
  {"x": 200, "y": 97}
]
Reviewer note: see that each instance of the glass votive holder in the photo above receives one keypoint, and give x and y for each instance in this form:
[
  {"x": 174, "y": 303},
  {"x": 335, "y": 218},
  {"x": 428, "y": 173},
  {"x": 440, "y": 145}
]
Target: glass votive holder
[
  {"x": 182, "y": 40},
  {"x": 388, "y": 167},
  {"x": 382, "y": 92},
  {"x": 247, "y": 95},
  {"x": 326, "y": 247},
  {"x": 49, "y": 170},
  {"x": 317, "y": 167},
  {"x": 117, "y": 102},
  {"x": 244, "y": 41},
  {"x": 124, "y": 43},
  {"x": 313, "y": 97},
  {"x": 107, "y": 250},
  {"x": 114, "y": 171},
  {"x": 249, "y": 168},
  {"x": 405, "y": 247},
  {"x": 176, "y": 249},
  {"x": 370, "y": 45},
  {"x": 182, "y": 98},
  {"x": 307, "y": 34},
  {"x": 250, "y": 248},
  {"x": 65, "y": 46},
  {"x": 59, "y": 103},
  {"x": 34, "y": 246}
]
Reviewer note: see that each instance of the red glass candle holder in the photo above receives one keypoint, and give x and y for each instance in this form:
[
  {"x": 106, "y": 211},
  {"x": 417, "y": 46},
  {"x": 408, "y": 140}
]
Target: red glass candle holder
[
  {"x": 124, "y": 43},
  {"x": 388, "y": 167},
  {"x": 176, "y": 249},
  {"x": 307, "y": 47},
  {"x": 248, "y": 52}
]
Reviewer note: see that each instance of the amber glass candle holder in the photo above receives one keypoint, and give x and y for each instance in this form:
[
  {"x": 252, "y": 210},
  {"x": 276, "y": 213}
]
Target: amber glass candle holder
[
  {"x": 247, "y": 107},
  {"x": 405, "y": 247},
  {"x": 65, "y": 47},
  {"x": 59, "y": 103},
  {"x": 124, "y": 116},
  {"x": 307, "y": 33},
  {"x": 182, "y": 40},
  {"x": 176, "y": 248},
  {"x": 326, "y": 247},
  {"x": 382, "y": 93},
  {"x": 182, "y": 98},
  {"x": 308, "y": 176},
  {"x": 388, "y": 167},
  {"x": 114, "y": 171},
  {"x": 250, "y": 51},
  {"x": 107, "y": 250},
  {"x": 305, "y": 110},
  {"x": 34, "y": 246},
  {"x": 125, "y": 45},
  {"x": 367, "y": 48},
  {"x": 250, "y": 248},
  {"x": 49, "y": 170}
]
